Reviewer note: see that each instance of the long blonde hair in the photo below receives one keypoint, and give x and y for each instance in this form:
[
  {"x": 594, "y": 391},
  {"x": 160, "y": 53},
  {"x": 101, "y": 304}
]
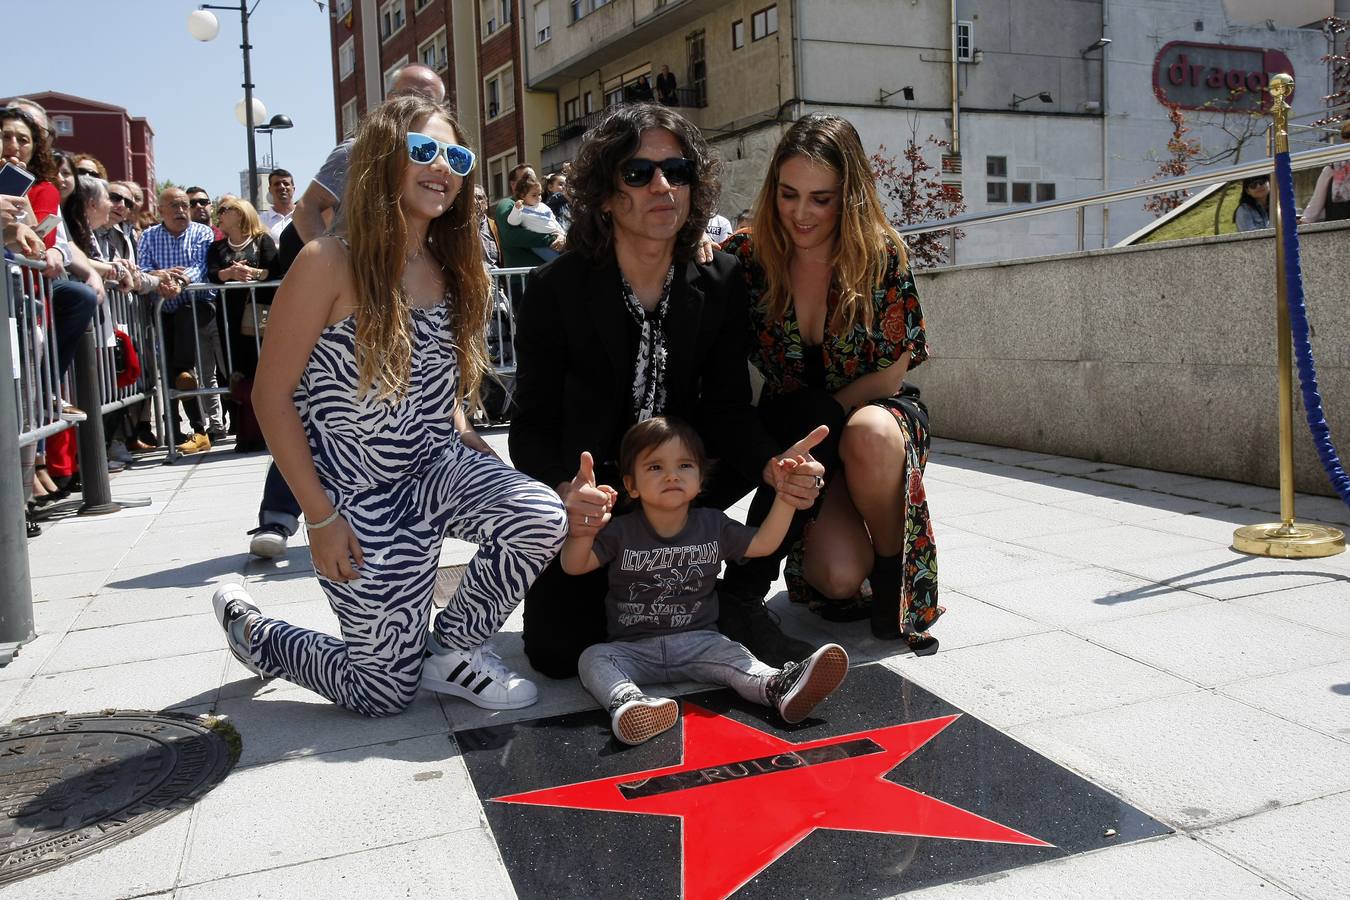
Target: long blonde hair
[
  {"x": 377, "y": 234},
  {"x": 863, "y": 234}
]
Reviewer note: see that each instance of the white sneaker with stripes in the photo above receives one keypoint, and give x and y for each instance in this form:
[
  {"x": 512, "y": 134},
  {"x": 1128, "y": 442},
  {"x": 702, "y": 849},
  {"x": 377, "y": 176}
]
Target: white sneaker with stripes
[{"x": 478, "y": 676}]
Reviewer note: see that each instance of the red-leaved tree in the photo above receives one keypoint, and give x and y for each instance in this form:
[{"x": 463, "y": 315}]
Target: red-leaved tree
[
  {"x": 1339, "y": 63},
  {"x": 916, "y": 190},
  {"x": 1180, "y": 151}
]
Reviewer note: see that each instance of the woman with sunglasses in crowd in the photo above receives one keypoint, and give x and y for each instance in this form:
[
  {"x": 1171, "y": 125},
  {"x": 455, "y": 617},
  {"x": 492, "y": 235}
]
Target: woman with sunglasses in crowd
[
  {"x": 836, "y": 325},
  {"x": 624, "y": 326},
  {"x": 246, "y": 254},
  {"x": 375, "y": 346},
  {"x": 1253, "y": 209},
  {"x": 1331, "y": 197}
]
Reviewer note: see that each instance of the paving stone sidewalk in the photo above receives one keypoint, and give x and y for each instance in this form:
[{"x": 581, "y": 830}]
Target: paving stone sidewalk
[{"x": 1095, "y": 613}]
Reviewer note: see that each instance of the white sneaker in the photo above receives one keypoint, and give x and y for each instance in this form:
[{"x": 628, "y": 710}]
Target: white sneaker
[
  {"x": 478, "y": 676},
  {"x": 234, "y": 607},
  {"x": 268, "y": 541}
]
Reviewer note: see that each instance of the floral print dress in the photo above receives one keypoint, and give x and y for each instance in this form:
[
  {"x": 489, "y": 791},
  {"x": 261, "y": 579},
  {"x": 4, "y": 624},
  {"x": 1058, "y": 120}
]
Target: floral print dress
[{"x": 781, "y": 356}]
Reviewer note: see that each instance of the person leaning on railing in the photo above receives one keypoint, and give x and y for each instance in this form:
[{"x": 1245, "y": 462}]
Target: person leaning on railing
[
  {"x": 247, "y": 254},
  {"x": 1331, "y": 197}
]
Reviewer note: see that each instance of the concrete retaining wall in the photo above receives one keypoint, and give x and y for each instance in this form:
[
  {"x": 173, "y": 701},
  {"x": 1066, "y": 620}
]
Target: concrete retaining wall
[{"x": 1161, "y": 356}]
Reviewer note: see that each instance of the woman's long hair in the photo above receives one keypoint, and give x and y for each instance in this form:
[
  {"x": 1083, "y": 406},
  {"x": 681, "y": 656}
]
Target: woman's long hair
[
  {"x": 252, "y": 225},
  {"x": 595, "y": 177},
  {"x": 863, "y": 234},
  {"x": 377, "y": 234},
  {"x": 75, "y": 212},
  {"x": 1246, "y": 199},
  {"x": 42, "y": 165}
]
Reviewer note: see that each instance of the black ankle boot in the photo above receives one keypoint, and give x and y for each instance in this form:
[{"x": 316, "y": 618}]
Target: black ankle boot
[{"x": 887, "y": 579}]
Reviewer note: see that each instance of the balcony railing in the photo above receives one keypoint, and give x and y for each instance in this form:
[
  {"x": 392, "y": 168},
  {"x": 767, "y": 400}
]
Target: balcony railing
[{"x": 690, "y": 98}]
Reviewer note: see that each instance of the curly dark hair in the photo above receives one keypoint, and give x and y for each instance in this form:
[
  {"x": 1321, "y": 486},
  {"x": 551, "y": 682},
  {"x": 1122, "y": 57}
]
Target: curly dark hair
[
  {"x": 43, "y": 165},
  {"x": 595, "y": 176}
]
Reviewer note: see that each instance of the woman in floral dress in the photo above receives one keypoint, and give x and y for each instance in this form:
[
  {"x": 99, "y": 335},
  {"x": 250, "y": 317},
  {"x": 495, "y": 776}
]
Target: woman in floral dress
[{"x": 836, "y": 324}]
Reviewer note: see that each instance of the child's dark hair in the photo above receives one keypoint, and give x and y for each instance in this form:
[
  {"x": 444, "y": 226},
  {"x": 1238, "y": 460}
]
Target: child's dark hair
[
  {"x": 524, "y": 186},
  {"x": 653, "y": 433}
]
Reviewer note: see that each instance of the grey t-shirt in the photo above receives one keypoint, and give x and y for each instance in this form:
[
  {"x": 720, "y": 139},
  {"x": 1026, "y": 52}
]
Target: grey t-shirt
[
  {"x": 332, "y": 177},
  {"x": 663, "y": 586}
]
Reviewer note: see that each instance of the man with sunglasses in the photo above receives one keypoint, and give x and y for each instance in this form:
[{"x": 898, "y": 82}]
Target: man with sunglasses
[
  {"x": 625, "y": 325},
  {"x": 319, "y": 210},
  {"x": 201, "y": 210}
]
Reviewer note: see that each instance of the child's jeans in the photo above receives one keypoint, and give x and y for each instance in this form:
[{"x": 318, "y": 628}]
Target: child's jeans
[{"x": 609, "y": 670}]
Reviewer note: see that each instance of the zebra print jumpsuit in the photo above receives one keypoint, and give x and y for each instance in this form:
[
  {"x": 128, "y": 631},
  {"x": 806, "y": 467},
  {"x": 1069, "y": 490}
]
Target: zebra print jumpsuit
[{"x": 402, "y": 478}]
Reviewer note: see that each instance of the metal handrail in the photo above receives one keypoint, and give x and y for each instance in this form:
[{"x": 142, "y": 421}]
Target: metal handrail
[{"x": 1304, "y": 160}]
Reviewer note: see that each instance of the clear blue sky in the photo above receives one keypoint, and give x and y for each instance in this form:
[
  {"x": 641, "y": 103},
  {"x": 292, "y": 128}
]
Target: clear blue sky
[{"x": 185, "y": 88}]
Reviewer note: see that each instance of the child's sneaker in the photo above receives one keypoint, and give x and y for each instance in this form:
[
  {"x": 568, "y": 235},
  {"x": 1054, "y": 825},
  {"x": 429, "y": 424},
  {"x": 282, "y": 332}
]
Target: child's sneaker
[
  {"x": 637, "y": 718},
  {"x": 478, "y": 676},
  {"x": 799, "y": 687},
  {"x": 234, "y": 607}
]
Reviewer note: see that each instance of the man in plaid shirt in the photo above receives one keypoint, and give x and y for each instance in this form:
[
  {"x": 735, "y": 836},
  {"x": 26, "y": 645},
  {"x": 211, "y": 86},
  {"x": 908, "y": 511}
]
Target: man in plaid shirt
[{"x": 175, "y": 252}]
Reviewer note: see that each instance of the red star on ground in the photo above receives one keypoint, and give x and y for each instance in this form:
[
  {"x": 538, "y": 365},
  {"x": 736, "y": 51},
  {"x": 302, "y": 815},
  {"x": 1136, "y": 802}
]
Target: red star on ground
[{"x": 737, "y": 821}]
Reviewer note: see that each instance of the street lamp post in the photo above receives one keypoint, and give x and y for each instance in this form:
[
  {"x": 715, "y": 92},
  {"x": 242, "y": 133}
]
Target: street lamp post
[
  {"x": 203, "y": 26},
  {"x": 278, "y": 121}
]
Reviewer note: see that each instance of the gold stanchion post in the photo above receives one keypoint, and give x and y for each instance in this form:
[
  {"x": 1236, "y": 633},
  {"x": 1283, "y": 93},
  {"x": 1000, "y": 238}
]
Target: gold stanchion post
[{"x": 1287, "y": 539}]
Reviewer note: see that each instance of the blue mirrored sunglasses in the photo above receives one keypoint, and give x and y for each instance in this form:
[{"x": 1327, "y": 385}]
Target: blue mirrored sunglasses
[{"x": 422, "y": 149}]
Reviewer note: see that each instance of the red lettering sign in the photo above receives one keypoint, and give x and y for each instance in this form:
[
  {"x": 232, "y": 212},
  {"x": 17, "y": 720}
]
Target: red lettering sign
[{"x": 1217, "y": 77}]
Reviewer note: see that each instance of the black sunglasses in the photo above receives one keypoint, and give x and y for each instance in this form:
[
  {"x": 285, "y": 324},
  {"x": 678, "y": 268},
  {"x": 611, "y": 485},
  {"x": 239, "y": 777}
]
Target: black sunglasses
[
  {"x": 200, "y": 201},
  {"x": 638, "y": 172},
  {"x": 118, "y": 198},
  {"x": 90, "y": 172}
]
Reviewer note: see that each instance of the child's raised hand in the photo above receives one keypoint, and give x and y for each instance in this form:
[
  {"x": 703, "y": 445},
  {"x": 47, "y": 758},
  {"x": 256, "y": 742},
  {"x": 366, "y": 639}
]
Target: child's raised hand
[
  {"x": 588, "y": 504},
  {"x": 519, "y": 204}
]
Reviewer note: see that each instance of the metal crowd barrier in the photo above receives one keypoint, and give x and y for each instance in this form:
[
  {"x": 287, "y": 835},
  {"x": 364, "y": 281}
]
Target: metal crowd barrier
[
  {"x": 508, "y": 286},
  {"x": 212, "y": 355},
  {"x": 38, "y": 389}
]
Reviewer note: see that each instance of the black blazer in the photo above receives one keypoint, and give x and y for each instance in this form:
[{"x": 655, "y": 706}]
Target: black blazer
[{"x": 574, "y": 375}]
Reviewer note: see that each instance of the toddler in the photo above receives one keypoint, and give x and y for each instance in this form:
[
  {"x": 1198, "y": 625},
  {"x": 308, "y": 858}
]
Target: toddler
[
  {"x": 531, "y": 212},
  {"x": 662, "y": 608}
]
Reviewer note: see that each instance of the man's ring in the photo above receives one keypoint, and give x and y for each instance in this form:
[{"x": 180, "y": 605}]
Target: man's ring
[
  {"x": 820, "y": 482},
  {"x": 585, "y": 520}
]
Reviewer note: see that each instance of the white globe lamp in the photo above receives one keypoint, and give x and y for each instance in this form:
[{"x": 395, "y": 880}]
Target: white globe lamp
[
  {"x": 202, "y": 25},
  {"x": 259, "y": 112}
]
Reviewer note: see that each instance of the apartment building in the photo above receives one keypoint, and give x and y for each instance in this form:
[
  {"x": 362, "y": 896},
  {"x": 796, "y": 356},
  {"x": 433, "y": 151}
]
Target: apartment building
[
  {"x": 475, "y": 44},
  {"x": 1038, "y": 99}
]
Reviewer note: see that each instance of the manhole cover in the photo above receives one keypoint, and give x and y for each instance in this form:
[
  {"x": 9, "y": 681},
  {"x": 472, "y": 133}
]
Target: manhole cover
[{"x": 73, "y": 785}]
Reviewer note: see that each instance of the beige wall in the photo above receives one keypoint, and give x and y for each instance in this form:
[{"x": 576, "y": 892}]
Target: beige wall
[
  {"x": 1285, "y": 13},
  {"x": 1160, "y": 357}
]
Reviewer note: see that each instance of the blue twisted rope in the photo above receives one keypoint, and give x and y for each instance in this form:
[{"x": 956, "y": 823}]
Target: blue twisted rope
[{"x": 1298, "y": 322}]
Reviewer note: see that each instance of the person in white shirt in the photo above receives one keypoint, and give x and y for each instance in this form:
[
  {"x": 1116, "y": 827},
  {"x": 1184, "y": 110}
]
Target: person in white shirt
[
  {"x": 281, "y": 188},
  {"x": 533, "y": 214},
  {"x": 718, "y": 228}
]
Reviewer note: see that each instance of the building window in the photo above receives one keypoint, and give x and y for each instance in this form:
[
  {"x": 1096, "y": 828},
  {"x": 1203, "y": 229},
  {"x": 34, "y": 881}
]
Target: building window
[
  {"x": 1021, "y": 191},
  {"x": 393, "y": 17},
  {"x": 738, "y": 34},
  {"x": 577, "y": 9},
  {"x": 965, "y": 41},
  {"x": 391, "y": 72},
  {"x": 434, "y": 53},
  {"x": 496, "y": 16},
  {"x": 996, "y": 166},
  {"x": 996, "y": 192},
  {"x": 419, "y": 5},
  {"x": 543, "y": 29},
  {"x": 349, "y": 118},
  {"x": 588, "y": 102},
  {"x": 571, "y": 110},
  {"x": 764, "y": 23},
  {"x": 499, "y": 92},
  {"x": 347, "y": 58},
  {"x": 342, "y": 8},
  {"x": 64, "y": 125},
  {"x": 499, "y": 170},
  {"x": 1045, "y": 191}
]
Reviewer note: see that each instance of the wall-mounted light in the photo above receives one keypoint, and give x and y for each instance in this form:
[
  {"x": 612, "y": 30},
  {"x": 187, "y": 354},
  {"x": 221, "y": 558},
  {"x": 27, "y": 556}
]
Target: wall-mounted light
[
  {"x": 1043, "y": 96},
  {"x": 1096, "y": 45},
  {"x": 884, "y": 95}
]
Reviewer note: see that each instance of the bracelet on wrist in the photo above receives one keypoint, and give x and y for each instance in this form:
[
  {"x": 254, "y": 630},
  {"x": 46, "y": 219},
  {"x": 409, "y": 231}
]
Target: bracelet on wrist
[{"x": 329, "y": 520}]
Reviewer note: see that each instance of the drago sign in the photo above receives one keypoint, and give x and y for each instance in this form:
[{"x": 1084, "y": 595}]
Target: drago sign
[{"x": 1218, "y": 77}]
